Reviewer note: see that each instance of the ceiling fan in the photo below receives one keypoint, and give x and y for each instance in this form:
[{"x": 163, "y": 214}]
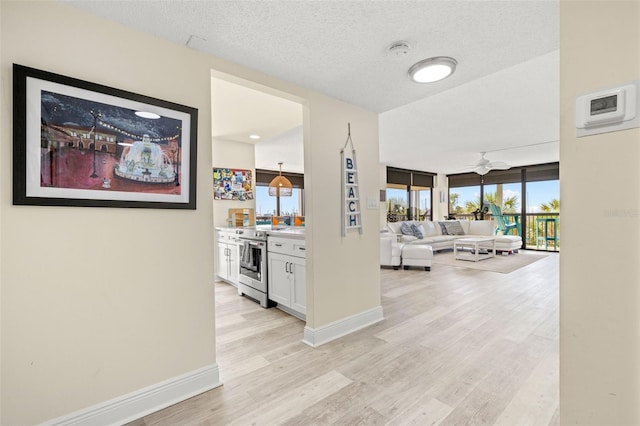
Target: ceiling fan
[{"x": 484, "y": 166}]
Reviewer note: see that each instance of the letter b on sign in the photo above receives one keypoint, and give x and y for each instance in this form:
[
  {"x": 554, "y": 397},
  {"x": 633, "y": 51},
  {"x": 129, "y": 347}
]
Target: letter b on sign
[{"x": 348, "y": 163}]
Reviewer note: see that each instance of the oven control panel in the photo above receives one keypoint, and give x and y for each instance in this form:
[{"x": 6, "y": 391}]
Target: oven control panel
[{"x": 251, "y": 234}]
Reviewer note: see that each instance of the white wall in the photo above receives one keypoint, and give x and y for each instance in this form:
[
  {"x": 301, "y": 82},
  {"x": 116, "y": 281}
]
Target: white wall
[
  {"x": 78, "y": 333},
  {"x": 599, "y": 188},
  {"x": 227, "y": 154},
  {"x": 345, "y": 271},
  {"x": 100, "y": 302},
  {"x": 440, "y": 209},
  {"x": 235, "y": 155}
]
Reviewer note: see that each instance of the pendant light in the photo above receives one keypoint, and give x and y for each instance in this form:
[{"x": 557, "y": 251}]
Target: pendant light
[{"x": 280, "y": 186}]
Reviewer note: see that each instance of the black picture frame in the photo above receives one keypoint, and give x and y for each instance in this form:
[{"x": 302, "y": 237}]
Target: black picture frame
[{"x": 78, "y": 143}]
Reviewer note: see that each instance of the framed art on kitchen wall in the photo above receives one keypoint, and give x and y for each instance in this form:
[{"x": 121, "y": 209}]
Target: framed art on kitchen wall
[{"x": 232, "y": 184}]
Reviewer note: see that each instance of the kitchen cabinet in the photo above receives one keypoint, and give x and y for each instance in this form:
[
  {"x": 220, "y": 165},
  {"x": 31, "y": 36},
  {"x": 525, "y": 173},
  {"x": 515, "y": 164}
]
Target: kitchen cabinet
[
  {"x": 227, "y": 266},
  {"x": 286, "y": 272}
]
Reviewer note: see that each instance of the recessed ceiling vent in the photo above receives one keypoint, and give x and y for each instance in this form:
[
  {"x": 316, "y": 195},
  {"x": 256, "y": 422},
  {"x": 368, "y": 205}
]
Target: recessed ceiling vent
[
  {"x": 399, "y": 49},
  {"x": 194, "y": 39}
]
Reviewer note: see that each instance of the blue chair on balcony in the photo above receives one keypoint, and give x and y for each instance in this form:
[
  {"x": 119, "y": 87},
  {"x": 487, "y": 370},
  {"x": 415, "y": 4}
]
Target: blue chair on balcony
[{"x": 502, "y": 223}]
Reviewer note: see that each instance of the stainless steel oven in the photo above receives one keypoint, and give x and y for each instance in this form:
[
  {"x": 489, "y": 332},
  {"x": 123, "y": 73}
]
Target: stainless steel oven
[{"x": 252, "y": 252}]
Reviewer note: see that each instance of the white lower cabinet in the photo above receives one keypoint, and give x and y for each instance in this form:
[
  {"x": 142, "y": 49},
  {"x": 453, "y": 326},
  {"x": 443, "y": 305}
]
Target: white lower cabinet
[
  {"x": 286, "y": 272},
  {"x": 298, "y": 285},
  {"x": 279, "y": 281},
  {"x": 227, "y": 266}
]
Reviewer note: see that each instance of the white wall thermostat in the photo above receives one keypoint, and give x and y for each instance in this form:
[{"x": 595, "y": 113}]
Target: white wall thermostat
[{"x": 608, "y": 110}]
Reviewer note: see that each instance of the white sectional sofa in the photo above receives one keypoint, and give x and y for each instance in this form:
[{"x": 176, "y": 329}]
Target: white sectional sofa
[
  {"x": 390, "y": 250},
  {"x": 440, "y": 234}
]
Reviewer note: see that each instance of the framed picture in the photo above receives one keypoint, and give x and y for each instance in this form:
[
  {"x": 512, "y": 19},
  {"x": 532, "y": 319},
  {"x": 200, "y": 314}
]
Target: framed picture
[
  {"x": 77, "y": 143},
  {"x": 232, "y": 184}
]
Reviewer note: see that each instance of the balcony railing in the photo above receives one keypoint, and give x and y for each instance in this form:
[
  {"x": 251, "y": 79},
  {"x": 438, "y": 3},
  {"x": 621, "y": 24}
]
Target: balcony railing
[{"x": 542, "y": 231}]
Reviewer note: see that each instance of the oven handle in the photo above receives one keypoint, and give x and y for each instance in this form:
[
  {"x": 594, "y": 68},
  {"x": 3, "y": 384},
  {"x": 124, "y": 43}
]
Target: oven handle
[{"x": 251, "y": 242}]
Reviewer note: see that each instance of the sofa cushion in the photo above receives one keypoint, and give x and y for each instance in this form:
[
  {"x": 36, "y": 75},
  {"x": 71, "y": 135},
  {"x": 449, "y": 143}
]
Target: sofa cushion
[
  {"x": 481, "y": 227},
  {"x": 429, "y": 228},
  {"x": 394, "y": 227},
  {"x": 408, "y": 238},
  {"x": 452, "y": 228}
]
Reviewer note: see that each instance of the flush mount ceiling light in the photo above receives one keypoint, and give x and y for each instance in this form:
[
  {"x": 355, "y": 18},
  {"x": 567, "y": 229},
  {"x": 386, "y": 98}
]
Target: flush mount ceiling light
[
  {"x": 254, "y": 136},
  {"x": 432, "y": 69},
  {"x": 147, "y": 114}
]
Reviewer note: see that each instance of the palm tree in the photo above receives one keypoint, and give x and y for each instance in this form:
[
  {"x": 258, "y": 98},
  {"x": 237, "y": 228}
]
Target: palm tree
[
  {"x": 490, "y": 198},
  {"x": 453, "y": 201},
  {"x": 552, "y": 206},
  {"x": 397, "y": 205},
  {"x": 471, "y": 206},
  {"x": 510, "y": 204}
]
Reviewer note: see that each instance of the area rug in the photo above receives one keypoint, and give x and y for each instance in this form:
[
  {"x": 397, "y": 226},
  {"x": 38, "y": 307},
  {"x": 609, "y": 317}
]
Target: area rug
[{"x": 501, "y": 264}]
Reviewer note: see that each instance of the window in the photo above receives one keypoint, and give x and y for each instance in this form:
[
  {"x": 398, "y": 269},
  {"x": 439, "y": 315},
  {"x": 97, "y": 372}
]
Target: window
[
  {"x": 464, "y": 200},
  {"x": 267, "y": 206},
  {"x": 506, "y": 196},
  {"x": 543, "y": 197},
  {"x": 408, "y": 194},
  {"x": 528, "y": 195},
  {"x": 421, "y": 203},
  {"x": 397, "y": 202}
]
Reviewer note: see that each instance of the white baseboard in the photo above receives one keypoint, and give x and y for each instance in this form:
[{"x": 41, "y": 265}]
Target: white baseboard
[
  {"x": 326, "y": 333},
  {"x": 145, "y": 401}
]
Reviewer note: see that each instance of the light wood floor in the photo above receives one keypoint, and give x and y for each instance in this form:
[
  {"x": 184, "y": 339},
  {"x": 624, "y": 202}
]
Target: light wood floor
[{"x": 457, "y": 347}]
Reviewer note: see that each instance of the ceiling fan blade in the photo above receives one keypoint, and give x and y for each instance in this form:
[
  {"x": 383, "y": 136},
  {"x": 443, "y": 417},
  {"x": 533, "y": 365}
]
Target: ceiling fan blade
[{"x": 499, "y": 165}]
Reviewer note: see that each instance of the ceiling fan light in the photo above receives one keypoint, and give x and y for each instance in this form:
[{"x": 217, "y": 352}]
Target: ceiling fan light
[
  {"x": 432, "y": 69},
  {"x": 482, "y": 170}
]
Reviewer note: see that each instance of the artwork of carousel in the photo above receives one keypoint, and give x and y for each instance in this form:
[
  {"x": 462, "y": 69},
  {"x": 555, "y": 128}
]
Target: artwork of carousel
[{"x": 145, "y": 161}]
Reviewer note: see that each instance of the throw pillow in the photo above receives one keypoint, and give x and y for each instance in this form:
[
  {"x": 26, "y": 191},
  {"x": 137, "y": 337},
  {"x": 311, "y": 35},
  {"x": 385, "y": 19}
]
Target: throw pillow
[
  {"x": 405, "y": 228},
  {"x": 444, "y": 228},
  {"x": 418, "y": 231},
  {"x": 454, "y": 228}
]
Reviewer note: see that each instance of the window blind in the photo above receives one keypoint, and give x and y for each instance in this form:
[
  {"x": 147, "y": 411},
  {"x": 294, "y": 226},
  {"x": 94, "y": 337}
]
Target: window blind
[
  {"x": 409, "y": 177},
  {"x": 263, "y": 177}
]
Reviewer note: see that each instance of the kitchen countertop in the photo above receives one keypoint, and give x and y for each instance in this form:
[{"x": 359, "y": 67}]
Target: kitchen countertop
[
  {"x": 287, "y": 232},
  {"x": 297, "y": 232}
]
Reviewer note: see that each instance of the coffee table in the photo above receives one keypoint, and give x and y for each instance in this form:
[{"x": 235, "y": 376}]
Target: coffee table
[{"x": 471, "y": 248}]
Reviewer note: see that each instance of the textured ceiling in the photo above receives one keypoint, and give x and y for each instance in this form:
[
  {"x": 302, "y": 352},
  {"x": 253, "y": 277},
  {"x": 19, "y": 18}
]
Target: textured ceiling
[{"x": 340, "y": 48}]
